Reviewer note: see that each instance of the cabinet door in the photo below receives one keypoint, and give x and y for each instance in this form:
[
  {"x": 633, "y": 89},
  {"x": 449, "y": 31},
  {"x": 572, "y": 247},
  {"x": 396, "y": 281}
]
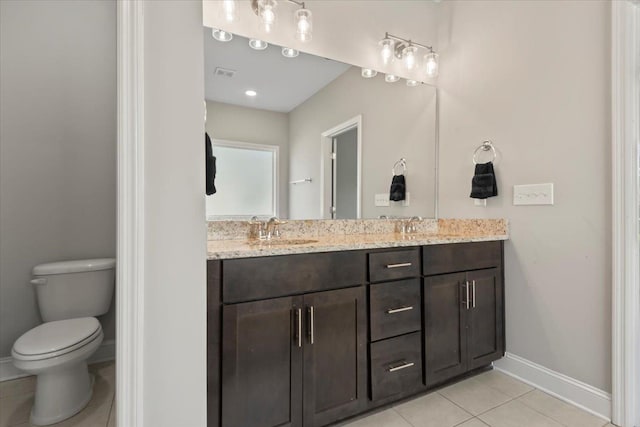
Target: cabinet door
[
  {"x": 485, "y": 324},
  {"x": 445, "y": 319},
  {"x": 261, "y": 364},
  {"x": 335, "y": 362}
]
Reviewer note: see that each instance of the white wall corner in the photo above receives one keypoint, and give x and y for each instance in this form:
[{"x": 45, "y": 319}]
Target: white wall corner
[{"x": 582, "y": 395}]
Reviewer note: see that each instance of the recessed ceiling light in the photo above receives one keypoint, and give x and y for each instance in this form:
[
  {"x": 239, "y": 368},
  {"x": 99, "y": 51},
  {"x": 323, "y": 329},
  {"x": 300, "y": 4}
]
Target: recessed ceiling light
[
  {"x": 250, "y": 92},
  {"x": 220, "y": 35},
  {"x": 367, "y": 73},
  {"x": 289, "y": 52},
  {"x": 258, "y": 44},
  {"x": 412, "y": 83},
  {"x": 390, "y": 78}
]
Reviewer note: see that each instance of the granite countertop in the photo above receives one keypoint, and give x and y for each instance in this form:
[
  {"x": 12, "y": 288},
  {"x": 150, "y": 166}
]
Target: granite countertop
[{"x": 242, "y": 248}]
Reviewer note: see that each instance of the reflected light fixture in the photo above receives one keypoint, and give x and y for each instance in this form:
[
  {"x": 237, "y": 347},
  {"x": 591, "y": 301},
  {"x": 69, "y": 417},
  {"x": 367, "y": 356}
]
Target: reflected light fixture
[
  {"x": 391, "y": 78},
  {"x": 412, "y": 83},
  {"x": 221, "y": 35},
  {"x": 431, "y": 64},
  {"x": 368, "y": 73},
  {"x": 250, "y": 92},
  {"x": 304, "y": 25},
  {"x": 257, "y": 44},
  {"x": 267, "y": 13},
  {"x": 229, "y": 10},
  {"x": 289, "y": 52},
  {"x": 407, "y": 50}
]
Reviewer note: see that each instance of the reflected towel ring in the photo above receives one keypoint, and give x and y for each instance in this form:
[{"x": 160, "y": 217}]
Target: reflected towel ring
[
  {"x": 402, "y": 162},
  {"x": 486, "y": 146}
]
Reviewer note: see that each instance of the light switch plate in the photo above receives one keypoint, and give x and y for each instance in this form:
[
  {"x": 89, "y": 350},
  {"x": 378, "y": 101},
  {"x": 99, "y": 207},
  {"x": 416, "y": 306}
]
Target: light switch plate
[
  {"x": 382, "y": 199},
  {"x": 533, "y": 194},
  {"x": 480, "y": 202}
]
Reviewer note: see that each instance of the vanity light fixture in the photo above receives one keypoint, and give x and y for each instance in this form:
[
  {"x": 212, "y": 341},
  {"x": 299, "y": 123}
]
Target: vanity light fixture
[
  {"x": 229, "y": 10},
  {"x": 258, "y": 44},
  {"x": 412, "y": 83},
  {"x": 368, "y": 73},
  {"x": 289, "y": 52},
  {"x": 391, "y": 78},
  {"x": 266, "y": 11},
  {"x": 250, "y": 93},
  {"x": 221, "y": 35},
  {"x": 407, "y": 50}
]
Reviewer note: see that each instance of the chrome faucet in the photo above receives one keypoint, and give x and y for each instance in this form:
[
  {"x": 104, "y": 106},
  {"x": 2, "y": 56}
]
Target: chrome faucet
[
  {"x": 265, "y": 230},
  {"x": 408, "y": 226}
]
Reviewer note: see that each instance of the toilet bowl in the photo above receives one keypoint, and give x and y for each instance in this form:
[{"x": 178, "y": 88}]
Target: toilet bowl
[
  {"x": 69, "y": 294},
  {"x": 57, "y": 353}
]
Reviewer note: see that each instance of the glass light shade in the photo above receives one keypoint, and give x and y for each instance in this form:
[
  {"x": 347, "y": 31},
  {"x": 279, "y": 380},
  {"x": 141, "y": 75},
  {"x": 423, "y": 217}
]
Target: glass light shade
[
  {"x": 304, "y": 25},
  {"x": 412, "y": 83},
  {"x": 267, "y": 12},
  {"x": 250, "y": 92},
  {"x": 258, "y": 44},
  {"x": 409, "y": 57},
  {"x": 431, "y": 64},
  {"x": 368, "y": 73},
  {"x": 390, "y": 78},
  {"x": 386, "y": 50},
  {"x": 221, "y": 36},
  {"x": 289, "y": 52},
  {"x": 229, "y": 10}
]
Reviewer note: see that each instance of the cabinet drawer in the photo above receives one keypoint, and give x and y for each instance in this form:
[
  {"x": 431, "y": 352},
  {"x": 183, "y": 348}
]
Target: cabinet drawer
[
  {"x": 394, "y": 308},
  {"x": 449, "y": 258},
  {"x": 394, "y": 265},
  {"x": 248, "y": 279},
  {"x": 396, "y": 366}
]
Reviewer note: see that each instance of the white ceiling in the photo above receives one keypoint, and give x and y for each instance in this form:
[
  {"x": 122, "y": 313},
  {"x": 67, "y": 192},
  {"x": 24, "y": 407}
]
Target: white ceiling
[{"x": 281, "y": 83}]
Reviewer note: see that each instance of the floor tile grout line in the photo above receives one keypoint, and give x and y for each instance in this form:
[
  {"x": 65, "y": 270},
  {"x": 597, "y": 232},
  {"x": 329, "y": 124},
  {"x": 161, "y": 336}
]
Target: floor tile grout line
[
  {"x": 466, "y": 410},
  {"x": 402, "y": 416},
  {"x": 113, "y": 399},
  {"x": 549, "y": 416}
]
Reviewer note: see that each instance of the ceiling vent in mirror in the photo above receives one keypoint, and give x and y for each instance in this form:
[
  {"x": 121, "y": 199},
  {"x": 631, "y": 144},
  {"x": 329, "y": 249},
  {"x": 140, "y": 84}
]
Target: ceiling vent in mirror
[{"x": 224, "y": 72}]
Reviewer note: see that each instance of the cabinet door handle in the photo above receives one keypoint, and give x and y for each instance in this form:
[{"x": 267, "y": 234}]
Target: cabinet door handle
[
  {"x": 403, "y": 365},
  {"x": 473, "y": 284},
  {"x": 299, "y": 315},
  {"x": 399, "y": 310},
  {"x": 466, "y": 290},
  {"x": 312, "y": 316},
  {"x": 402, "y": 264}
]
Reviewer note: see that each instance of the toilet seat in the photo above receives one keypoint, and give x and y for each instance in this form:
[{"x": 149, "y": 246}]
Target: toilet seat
[{"x": 54, "y": 339}]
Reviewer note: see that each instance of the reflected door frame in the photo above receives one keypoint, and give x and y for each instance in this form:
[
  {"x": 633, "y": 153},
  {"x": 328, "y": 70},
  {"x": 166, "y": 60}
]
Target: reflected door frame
[{"x": 326, "y": 174}]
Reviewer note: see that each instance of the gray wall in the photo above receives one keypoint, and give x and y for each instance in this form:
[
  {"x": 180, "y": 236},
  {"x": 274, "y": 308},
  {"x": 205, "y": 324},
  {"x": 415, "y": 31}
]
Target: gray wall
[
  {"x": 57, "y": 146},
  {"x": 235, "y": 123},
  {"x": 534, "y": 77},
  {"x": 347, "y": 174},
  {"x": 397, "y": 121}
]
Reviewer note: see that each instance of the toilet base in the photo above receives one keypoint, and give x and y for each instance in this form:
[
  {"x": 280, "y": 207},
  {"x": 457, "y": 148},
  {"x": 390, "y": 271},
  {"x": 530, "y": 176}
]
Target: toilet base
[{"x": 61, "y": 394}]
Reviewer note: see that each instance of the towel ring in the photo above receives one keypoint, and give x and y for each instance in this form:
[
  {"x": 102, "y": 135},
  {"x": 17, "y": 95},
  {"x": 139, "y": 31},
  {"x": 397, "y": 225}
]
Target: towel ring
[
  {"x": 402, "y": 162},
  {"x": 486, "y": 146}
]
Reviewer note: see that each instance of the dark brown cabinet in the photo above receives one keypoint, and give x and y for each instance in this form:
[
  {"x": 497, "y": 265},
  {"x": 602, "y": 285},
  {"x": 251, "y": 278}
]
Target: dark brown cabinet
[
  {"x": 463, "y": 323},
  {"x": 271, "y": 348}
]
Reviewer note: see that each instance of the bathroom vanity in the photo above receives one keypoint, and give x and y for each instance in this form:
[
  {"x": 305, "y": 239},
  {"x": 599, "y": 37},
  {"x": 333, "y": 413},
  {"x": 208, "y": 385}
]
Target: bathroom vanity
[{"x": 310, "y": 338}]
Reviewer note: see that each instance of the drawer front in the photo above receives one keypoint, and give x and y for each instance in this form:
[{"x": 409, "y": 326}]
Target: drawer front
[
  {"x": 396, "y": 366},
  {"x": 449, "y": 258},
  {"x": 394, "y": 308},
  {"x": 249, "y": 279},
  {"x": 394, "y": 265}
]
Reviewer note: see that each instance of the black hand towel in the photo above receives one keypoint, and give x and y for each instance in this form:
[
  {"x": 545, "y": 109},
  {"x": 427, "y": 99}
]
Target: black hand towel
[
  {"x": 483, "y": 184},
  {"x": 398, "y": 188},
  {"x": 210, "y": 166}
]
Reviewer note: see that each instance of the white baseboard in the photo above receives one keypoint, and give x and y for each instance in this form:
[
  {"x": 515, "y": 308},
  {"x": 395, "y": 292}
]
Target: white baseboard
[
  {"x": 575, "y": 392},
  {"x": 106, "y": 351}
]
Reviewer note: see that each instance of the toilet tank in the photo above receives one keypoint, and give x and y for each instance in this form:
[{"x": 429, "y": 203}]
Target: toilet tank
[{"x": 70, "y": 289}]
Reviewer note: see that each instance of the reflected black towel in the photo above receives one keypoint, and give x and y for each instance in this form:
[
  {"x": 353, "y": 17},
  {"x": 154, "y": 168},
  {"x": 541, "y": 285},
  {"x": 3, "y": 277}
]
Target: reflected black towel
[
  {"x": 210, "y": 165},
  {"x": 483, "y": 184},
  {"x": 398, "y": 188}
]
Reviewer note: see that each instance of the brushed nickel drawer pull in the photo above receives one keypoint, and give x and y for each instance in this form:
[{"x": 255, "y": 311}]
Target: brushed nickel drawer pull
[
  {"x": 473, "y": 284},
  {"x": 399, "y": 310},
  {"x": 402, "y": 264},
  {"x": 299, "y": 314},
  {"x": 405, "y": 365},
  {"x": 312, "y": 316}
]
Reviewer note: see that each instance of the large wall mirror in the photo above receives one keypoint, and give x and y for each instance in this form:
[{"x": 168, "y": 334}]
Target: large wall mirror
[{"x": 303, "y": 137}]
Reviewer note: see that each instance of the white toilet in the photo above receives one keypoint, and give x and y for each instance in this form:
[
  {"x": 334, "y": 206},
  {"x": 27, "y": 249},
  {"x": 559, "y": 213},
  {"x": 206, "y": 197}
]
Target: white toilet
[{"x": 69, "y": 294}]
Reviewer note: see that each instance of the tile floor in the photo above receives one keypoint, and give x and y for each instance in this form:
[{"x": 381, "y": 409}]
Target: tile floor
[
  {"x": 16, "y": 398},
  {"x": 489, "y": 399}
]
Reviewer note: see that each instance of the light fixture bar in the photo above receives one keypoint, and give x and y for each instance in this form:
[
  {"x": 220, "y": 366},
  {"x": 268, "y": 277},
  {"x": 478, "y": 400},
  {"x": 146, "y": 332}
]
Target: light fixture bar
[
  {"x": 409, "y": 42},
  {"x": 299, "y": 3}
]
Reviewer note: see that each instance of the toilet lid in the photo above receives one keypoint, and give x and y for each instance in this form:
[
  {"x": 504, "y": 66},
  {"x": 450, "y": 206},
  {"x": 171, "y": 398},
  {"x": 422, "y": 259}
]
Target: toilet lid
[{"x": 59, "y": 337}]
